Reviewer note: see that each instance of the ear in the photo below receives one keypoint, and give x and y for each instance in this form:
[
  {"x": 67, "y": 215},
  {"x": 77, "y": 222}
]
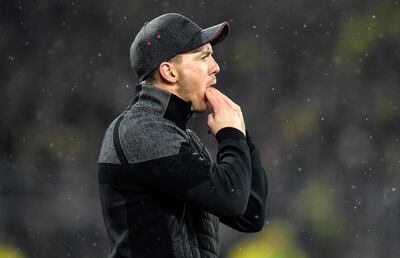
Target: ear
[{"x": 168, "y": 72}]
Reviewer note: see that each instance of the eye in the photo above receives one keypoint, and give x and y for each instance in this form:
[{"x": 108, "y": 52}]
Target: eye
[{"x": 204, "y": 57}]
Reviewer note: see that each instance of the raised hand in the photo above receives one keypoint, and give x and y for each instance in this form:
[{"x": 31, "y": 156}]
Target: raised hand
[{"x": 225, "y": 112}]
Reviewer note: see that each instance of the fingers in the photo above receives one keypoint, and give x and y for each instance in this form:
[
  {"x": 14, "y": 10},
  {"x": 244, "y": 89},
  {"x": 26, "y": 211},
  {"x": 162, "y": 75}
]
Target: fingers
[
  {"x": 227, "y": 100},
  {"x": 215, "y": 101},
  {"x": 210, "y": 119},
  {"x": 225, "y": 112},
  {"x": 210, "y": 123}
]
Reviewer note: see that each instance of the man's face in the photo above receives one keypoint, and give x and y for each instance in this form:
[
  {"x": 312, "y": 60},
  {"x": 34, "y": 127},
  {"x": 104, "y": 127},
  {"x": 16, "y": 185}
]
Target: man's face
[{"x": 196, "y": 71}]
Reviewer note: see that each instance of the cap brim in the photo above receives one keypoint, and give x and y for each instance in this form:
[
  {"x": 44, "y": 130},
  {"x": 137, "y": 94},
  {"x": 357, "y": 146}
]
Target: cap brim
[
  {"x": 212, "y": 35},
  {"x": 215, "y": 34}
]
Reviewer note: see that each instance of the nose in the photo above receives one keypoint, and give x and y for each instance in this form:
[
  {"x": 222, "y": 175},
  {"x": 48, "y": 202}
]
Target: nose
[{"x": 213, "y": 66}]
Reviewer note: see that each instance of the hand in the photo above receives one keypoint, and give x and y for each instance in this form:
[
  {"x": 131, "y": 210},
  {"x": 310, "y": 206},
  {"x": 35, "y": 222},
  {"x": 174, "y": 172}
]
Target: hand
[{"x": 225, "y": 113}]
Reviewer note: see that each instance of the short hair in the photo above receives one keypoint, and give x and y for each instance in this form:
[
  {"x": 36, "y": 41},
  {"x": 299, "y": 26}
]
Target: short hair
[{"x": 151, "y": 78}]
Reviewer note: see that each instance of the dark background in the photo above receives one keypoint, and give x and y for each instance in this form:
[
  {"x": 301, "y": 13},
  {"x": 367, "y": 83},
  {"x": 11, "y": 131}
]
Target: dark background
[{"x": 318, "y": 82}]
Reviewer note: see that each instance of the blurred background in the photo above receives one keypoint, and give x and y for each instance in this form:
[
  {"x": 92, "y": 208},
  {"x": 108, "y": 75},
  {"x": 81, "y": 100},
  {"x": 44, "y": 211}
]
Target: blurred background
[{"x": 318, "y": 82}]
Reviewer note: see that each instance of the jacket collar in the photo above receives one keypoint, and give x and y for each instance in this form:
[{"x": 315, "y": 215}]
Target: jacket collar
[{"x": 163, "y": 103}]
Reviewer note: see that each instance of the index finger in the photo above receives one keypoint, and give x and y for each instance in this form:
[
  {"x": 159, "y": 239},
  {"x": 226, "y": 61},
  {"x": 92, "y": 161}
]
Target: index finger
[
  {"x": 214, "y": 100},
  {"x": 227, "y": 100}
]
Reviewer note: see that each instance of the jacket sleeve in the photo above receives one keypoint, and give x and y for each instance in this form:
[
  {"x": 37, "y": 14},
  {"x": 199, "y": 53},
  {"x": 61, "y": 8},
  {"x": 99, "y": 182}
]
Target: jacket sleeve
[
  {"x": 253, "y": 218},
  {"x": 221, "y": 188}
]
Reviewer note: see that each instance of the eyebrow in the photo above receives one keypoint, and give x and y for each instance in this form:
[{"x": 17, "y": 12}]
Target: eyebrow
[{"x": 207, "y": 51}]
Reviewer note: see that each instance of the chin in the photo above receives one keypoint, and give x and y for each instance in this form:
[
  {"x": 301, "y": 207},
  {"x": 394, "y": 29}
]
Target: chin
[
  {"x": 201, "y": 109},
  {"x": 197, "y": 110}
]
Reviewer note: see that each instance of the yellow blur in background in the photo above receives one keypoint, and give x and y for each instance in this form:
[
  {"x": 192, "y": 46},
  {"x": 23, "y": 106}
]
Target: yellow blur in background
[
  {"x": 10, "y": 252},
  {"x": 277, "y": 241}
]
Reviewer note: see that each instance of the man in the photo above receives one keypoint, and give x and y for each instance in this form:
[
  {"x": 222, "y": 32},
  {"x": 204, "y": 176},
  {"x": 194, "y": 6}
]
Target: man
[{"x": 161, "y": 194}]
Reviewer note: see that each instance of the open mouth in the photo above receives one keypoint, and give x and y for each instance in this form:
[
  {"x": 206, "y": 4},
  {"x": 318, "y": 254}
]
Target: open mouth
[{"x": 213, "y": 81}]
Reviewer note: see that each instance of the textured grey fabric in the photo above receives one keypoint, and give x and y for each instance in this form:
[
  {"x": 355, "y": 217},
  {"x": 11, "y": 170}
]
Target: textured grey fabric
[
  {"x": 153, "y": 100},
  {"x": 167, "y": 191},
  {"x": 145, "y": 137},
  {"x": 107, "y": 151},
  {"x": 144, "y": 133}
]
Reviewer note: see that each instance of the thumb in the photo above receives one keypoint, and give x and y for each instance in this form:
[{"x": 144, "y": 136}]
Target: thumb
[
  {"x": 210, "y": 119},
  {"x": 210, "y": 122}
]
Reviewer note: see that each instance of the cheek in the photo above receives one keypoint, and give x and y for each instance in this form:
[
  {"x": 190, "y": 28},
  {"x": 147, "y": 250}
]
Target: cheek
[{"x": 201, "y": 70}]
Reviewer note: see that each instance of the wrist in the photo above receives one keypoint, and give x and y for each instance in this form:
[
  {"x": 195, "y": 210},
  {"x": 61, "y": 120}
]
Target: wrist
[{"x": 229, "y": 133}]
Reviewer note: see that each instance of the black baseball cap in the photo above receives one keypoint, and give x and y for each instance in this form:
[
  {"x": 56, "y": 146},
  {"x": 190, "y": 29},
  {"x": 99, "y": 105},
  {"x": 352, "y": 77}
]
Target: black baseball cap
[{"x": 168, "y": 35}]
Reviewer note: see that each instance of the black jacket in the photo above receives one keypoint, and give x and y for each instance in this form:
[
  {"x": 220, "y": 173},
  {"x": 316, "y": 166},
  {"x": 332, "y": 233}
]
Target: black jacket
[{"x": 162, "y": 195}]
